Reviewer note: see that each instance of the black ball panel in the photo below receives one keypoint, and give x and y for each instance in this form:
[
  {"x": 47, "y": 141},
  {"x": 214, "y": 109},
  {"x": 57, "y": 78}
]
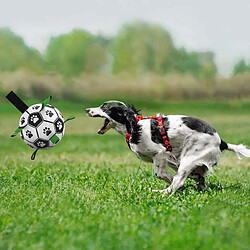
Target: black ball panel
[
  {"x": 59, "y": 125},
  {"x": 41, "y": 144},
  {"x": 35, "y": 119}
]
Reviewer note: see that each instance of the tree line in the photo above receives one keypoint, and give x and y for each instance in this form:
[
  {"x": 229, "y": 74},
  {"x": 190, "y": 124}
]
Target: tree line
[{"x": 137, "y": 48}]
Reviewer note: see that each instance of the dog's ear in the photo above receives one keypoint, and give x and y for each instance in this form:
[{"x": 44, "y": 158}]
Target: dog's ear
[
  {"x": 134, "y": 109},
  {"x": 129, "y": 115},
  {"x": 118, "y": 114},
  {"x": 132, "y": 126}
]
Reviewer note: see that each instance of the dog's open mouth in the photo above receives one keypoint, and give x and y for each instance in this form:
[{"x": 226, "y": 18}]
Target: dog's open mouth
[{"x": 103, "y": 129}]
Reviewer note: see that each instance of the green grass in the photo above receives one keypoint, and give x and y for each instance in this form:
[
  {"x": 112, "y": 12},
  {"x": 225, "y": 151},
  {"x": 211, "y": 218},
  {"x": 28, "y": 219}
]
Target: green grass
[{"x": 91, "y": 192}]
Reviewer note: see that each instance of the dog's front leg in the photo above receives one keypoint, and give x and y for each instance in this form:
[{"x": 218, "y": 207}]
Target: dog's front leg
[{"x": 160, "y": 168}]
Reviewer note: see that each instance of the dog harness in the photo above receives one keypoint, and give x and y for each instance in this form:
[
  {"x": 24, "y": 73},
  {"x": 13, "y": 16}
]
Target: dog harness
[{"x": 161, "y": 129}]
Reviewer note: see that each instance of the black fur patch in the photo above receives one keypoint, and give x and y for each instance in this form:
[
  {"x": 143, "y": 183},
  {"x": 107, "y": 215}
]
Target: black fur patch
[
  {"x": 223, "y": 145},
  {"x": 198, "y": 125},
  {"x": 155, "y": 132},
  {"x": 117, "y": 114},
  {"x": 134, "y": 109},
  {"x": 133, "y": 128},
  {"x": 117, "y": 111}
]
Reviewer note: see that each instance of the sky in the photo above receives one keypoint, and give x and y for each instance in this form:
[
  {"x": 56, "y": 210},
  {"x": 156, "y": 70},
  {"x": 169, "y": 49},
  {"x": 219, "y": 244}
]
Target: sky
[{"x": 221, "y": 26}]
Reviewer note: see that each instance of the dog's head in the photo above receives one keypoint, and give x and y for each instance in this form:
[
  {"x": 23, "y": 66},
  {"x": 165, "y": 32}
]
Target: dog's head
[{"x": 115, "y": 114}]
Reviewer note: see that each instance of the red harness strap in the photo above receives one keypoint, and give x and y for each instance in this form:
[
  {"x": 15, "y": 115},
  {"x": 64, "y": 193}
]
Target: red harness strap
[
  {"x": 127, "y": 140},
  {"x": 161, "y": 127}
]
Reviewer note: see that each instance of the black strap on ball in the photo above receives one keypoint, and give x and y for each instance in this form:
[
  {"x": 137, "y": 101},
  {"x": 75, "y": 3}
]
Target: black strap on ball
[
  {"x": 33, "y": 156},
  {"x": 17, "y": 102}
]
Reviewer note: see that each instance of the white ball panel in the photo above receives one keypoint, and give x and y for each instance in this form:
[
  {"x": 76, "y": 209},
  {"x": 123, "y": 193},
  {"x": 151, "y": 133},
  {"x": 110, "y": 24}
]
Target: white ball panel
[
  {"x": 34, "y": 108},
  {"x": 29, "y": 133},
  {"x": 60, "y": 136},
  {"x": 23, "y": 119},
  {"x": 59, "y": 113},
  {"x": 32, "y": 145},
  {"x": 46, "y": 130},
  {"x": 49, "y": 114}
]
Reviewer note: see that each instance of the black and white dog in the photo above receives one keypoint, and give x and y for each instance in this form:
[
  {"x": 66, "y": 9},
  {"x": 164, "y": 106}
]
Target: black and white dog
[{"x": 196, "y": 146}]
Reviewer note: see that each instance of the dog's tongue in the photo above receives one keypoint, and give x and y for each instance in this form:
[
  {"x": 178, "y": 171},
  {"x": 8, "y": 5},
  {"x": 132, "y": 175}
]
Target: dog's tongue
[{"x": 102, "y": 130}]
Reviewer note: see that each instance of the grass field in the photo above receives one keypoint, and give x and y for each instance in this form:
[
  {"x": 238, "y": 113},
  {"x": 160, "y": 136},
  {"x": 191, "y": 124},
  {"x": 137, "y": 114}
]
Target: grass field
[{"x": 91, "y": 192}]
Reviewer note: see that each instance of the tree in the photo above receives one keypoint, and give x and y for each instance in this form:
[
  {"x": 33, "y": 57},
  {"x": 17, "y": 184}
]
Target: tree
[
  {"x": 187, "y": 62},
  {"x": 199, "y": 64},
  {"x": 241, "y": 67},
  {"x": 73, "y": 53},
  {"x": 15, "y": 54},
  {"x": 208, "y": 68},
  {"x": 141, "y": 47}
]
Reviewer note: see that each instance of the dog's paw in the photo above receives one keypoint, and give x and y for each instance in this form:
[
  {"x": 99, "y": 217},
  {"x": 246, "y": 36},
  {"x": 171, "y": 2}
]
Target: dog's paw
[
  {"x": 157, "y": 190},
  {"x": 163, "y": 191}
]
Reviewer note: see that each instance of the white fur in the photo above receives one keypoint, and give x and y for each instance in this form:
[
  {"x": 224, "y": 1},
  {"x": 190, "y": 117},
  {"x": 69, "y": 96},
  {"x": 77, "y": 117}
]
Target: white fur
[{"x": 240, "y": 150}]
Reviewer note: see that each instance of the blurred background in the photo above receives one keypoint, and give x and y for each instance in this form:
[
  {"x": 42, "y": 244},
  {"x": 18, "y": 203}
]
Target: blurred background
[{"x": 162, "y": 50}]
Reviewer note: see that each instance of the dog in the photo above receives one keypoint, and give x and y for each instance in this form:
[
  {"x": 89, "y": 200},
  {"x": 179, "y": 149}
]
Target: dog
[{"x": 191, "y": 147}]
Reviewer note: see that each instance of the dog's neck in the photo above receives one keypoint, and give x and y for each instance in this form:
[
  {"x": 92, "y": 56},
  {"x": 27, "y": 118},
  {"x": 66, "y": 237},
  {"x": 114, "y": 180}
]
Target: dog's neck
[
  {"x": 130, "y": 125},
  {"x": 121, "y": 129}
]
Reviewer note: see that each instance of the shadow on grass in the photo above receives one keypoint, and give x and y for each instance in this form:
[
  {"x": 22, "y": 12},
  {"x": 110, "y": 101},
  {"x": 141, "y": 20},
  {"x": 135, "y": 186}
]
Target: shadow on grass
[{"x": 190, "y": 188}]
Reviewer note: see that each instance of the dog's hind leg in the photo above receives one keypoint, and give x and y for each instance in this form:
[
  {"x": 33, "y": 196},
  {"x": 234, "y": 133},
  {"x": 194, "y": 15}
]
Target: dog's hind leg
[
  {"x": 187, "y": 166},
  {"x": 199, "y": 176}
]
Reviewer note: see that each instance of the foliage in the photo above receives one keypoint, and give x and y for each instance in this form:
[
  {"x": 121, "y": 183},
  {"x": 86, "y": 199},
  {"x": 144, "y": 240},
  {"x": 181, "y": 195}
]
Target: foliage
[
  {"x": 15, "y": 54},
  {"x": 91, "y": 192},
  {"x": 138, "y": 48},
  {"x": 187, "y": 62},
  {"x": 241, "y": 67},
  {"x": 73, "y": 53},
  {"x": 197, "y": 64},
  {"x": 141, "y": 47}
]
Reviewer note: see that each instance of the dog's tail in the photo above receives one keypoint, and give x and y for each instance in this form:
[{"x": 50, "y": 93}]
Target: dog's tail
[{"x": 240, "y": 150}]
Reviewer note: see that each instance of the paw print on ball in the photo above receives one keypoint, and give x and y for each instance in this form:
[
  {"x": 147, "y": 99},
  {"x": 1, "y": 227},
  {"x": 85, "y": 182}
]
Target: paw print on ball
[
  {"x": 49, "y": 113},
  {"x": 35, "y": 107},
  {"x": 22, "y": 121},
  {"x": 59, "y": 126},
  {"x": 47, "y": 131},
  {"x": 35, "y": 119},
  {"x": 29, "y": 134},
  {"x": 42, "y": 144}
]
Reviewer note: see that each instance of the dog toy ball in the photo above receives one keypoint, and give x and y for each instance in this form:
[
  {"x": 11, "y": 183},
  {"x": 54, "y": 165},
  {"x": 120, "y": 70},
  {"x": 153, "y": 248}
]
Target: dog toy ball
[{"x": 41, "y": 125}]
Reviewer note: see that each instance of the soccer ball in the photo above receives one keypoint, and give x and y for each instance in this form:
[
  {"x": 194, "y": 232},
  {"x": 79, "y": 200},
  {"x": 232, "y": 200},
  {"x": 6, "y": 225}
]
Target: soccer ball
[{"x": 42, "y": 128}]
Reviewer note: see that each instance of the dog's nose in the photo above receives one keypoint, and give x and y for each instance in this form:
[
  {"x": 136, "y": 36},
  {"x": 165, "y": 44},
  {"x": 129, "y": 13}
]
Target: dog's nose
[{"x": 87, "y": 110}]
